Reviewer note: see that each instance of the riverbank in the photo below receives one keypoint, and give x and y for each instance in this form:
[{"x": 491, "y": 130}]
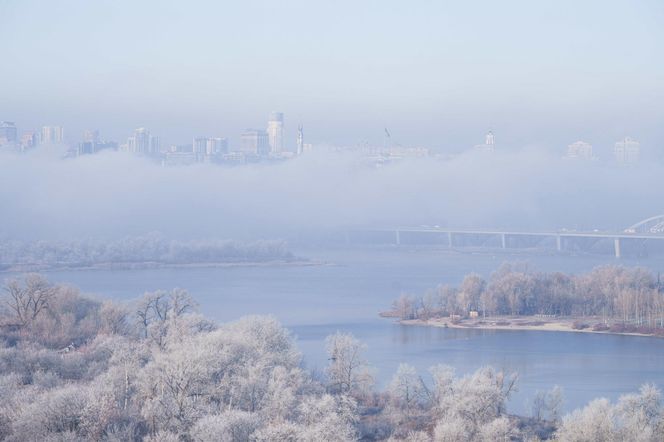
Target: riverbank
[
  {"x": 530, "y": 323},
  {"x": 26, "y": 268}
]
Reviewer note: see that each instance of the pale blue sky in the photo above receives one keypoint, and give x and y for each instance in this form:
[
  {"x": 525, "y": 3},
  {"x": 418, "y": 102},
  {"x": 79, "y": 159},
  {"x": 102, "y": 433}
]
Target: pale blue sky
[{"x": 436, "y": 73}]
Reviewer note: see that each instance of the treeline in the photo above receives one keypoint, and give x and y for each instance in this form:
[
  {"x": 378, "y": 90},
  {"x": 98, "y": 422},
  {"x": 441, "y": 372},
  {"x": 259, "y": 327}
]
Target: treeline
[
  {"x": 611, "y": 293},
  {"x": 140, "y": 249},
  {"x": 74, "y": 368}
]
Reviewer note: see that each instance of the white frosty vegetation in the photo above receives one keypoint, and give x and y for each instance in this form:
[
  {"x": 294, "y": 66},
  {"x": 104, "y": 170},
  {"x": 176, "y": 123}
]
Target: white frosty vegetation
[
  {"x": 635, "y": 417},
  {"x": 348, "y": 371},
  {"x": 74, "y": 368}
]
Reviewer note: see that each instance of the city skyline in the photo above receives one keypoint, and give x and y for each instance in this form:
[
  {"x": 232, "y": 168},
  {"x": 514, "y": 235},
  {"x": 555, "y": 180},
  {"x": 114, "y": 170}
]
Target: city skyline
[
  {"x": 449, "y": 73},
  {"x": 604, "y": 142},
  {"x": 275, "y": 141}
]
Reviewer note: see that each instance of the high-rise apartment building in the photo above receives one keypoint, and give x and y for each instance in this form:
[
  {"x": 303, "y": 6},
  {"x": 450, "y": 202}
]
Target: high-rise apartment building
[
  {"x": 154, "y": 145},
  {"x": 216, "y": 146},
  {"x": 199, "y": 146},
  {"x": 490, "y": 140},
  {"x": 207, "y": 149},
  {"x": 580, "y": 150},
  {"x": 275, "y": 131},
  {"x": 90, "y": 143},
  {"x": 255, "y": 142},
  {"x": 142, "y": 142},
  {"x": 8, "y": 132},
  {"x": 489, "y": 143},
  {"x": 29, "y": 140},
  {"x": 86, "y": 148},
  {"x": 91, "y": 135},
  {"x": 52, "y": 135},
  {"x": 300, "y": 140},
  {"x": 627, "y": 151}
]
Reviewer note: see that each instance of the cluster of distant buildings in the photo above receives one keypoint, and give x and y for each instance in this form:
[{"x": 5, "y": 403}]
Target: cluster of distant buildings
[
  {"x": 626, "y": 151},
  {"x": 260, "y": 145},
  {"x": 47, "y": 135},
  {"x": 255, "y": 145}
]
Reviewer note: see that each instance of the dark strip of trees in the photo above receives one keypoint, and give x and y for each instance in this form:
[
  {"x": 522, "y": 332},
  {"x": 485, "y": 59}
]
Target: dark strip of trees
[{"x": 139, "y": 249}]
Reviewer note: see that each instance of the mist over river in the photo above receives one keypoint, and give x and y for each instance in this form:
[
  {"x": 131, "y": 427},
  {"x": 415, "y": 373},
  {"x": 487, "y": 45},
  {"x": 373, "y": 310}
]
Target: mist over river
[{"x": 347, "y": 293}]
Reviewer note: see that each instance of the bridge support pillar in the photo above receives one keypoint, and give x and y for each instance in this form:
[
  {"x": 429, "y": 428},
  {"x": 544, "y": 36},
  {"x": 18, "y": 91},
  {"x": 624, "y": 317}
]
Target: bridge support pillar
[
  {"x": 449, "y": 240},
  {"x": 503, "y": 240},
  {"x": 559, "y": 243},
  {"x": 397, "y": 237},
  {"x": 616, "y": 247}
]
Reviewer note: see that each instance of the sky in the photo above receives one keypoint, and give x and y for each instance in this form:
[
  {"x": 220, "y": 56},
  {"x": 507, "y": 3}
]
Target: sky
[{"x": 438, "y": 74}]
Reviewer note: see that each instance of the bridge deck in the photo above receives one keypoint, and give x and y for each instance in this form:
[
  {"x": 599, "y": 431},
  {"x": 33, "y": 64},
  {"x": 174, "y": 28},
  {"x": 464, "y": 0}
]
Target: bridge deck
[{"x": 607, "y": 235}]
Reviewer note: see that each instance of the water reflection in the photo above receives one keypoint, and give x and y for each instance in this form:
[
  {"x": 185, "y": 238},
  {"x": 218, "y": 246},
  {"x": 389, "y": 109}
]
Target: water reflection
[{"x": 585, "y": 365}]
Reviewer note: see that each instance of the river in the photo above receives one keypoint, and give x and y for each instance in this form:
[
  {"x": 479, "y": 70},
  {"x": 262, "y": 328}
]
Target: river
[{"x": 347, "y": 293}]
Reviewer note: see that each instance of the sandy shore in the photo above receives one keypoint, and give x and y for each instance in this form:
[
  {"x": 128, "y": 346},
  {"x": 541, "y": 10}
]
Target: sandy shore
[{"x": 531, "y": 323}]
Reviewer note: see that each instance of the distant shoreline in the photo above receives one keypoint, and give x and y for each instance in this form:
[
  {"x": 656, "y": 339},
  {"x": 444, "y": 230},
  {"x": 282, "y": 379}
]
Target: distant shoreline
[
  {"x": 147, "y": 265},
  {"x": 527, "y": 323}
]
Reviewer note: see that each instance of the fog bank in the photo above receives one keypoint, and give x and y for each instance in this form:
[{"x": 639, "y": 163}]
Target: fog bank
[{"x": 110, "y": 195}]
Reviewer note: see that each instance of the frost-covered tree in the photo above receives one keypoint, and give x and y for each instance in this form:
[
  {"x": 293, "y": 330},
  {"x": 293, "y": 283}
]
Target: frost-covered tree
[
  {"x": 240, "y": 366},
  {"x": 405, "y": 307},
  {"x": 59, "y": 411},
  {"x": 470, "y": 403},
  {"x": 28, "y": 299},
  {"x": 328, "y": 418},
  {"x": 407, "y": 389},
  {"x": 228, "y": 426},
  {"x": 470, "y": 292},
  {"x": 547, "y": 405},
  {"x": 452, "y": 429},
  {"x": 348, "y": 371},
  {"x": 279, "y": 432},
  {"x": 636, "y": 417},
  {"x": 160, "y": 312},
  {"x": 593, "y": 423}
]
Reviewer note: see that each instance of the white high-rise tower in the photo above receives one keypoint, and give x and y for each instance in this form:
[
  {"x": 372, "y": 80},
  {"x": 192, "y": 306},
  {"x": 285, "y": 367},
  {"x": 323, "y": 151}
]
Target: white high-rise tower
[
  {"x": 300, "y": 140},
  {"x": 275, "y": 132},
  {"x": 8, "y": 132},
  {"x": 51, "y": 135},
  {"x": 489, "y": 143},
  {"x": 627, "y": 150},
  {"x": 490, "y": 140},
  {"x": 142, "y": 142}
]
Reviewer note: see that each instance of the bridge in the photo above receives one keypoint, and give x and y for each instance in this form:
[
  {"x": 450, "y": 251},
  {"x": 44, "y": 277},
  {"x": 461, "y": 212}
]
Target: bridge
[{"x": 640, "y": 238}]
